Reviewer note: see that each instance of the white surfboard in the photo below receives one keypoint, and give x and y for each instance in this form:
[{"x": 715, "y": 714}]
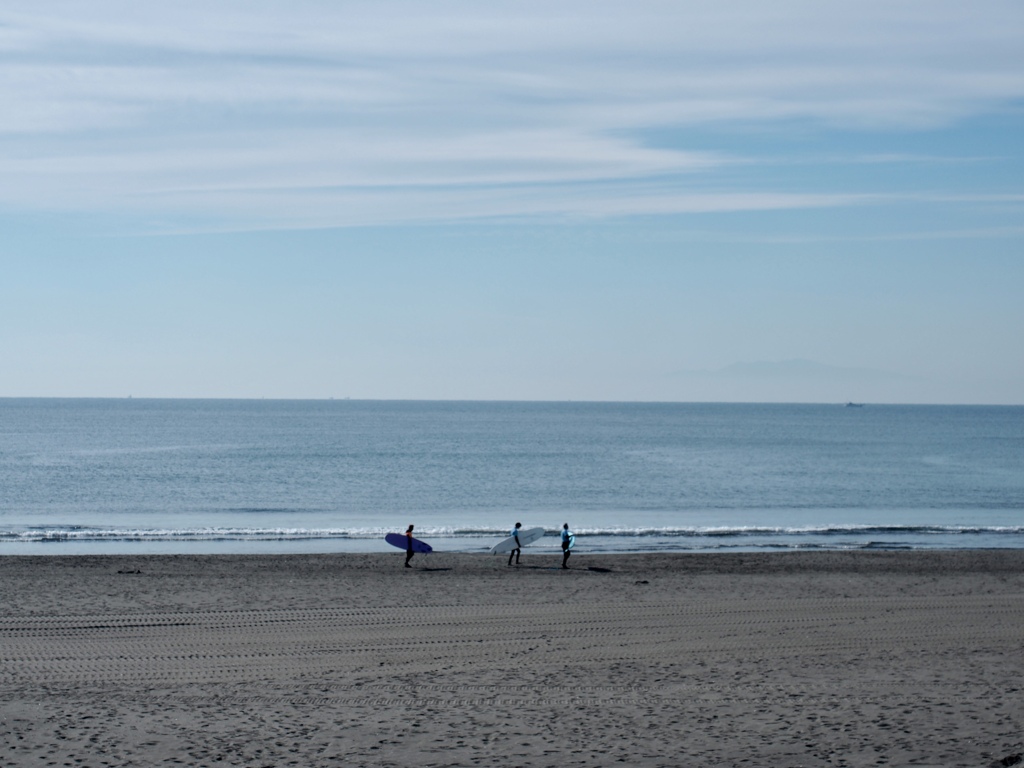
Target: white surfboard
[{"x": 526, "y": 536}]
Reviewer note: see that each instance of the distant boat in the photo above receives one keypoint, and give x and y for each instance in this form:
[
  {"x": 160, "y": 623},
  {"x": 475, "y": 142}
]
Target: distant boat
[{"x": 855, "y": 405}]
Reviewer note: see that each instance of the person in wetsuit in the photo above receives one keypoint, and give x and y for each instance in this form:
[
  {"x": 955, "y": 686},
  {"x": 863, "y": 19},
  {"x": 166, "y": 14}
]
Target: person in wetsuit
[
  {"x": 566, "y": 541},
  {"x": 408, "y": 546},
  {"x": 519, "y": 548}
]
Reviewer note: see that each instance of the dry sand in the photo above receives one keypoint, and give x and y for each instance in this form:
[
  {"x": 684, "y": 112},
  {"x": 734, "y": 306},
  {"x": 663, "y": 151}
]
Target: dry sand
[{"x": 804, "y": 659}]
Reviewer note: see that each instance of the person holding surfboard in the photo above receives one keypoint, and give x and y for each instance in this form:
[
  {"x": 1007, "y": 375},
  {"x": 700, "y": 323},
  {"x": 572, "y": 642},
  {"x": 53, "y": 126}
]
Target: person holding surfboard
[
  {"x": 408, "y": 546},
  {"x": 567, "y": 542},
  {"x": 519, "y": 547}
]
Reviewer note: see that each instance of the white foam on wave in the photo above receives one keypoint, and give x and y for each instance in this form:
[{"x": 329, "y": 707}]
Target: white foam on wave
[{"x": 241, "y": 533}]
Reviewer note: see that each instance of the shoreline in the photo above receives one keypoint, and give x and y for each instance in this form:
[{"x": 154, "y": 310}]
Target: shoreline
[{"x": 837, "y": 658}]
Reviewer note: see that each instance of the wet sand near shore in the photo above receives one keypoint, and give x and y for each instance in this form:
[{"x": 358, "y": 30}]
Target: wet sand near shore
[{"x": 783, "y": 659}]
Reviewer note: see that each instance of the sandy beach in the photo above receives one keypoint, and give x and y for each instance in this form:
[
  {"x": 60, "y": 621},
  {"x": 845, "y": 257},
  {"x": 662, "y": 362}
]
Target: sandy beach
[{"x": 797, "y": 659}]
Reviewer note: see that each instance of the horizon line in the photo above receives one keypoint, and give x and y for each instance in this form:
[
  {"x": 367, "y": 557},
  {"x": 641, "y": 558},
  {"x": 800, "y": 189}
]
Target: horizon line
[{"x": 537, "y": 401}]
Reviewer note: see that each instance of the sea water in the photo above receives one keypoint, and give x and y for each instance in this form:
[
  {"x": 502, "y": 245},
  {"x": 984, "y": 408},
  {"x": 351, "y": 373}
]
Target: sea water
[{"x": 202, "y": 476}]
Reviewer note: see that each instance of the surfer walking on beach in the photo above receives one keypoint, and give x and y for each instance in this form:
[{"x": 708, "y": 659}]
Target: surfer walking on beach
[
  {"x": 566, "y": 543},
  {"x": 408, "y": 546},
  {"x": 519, "y": 547}
]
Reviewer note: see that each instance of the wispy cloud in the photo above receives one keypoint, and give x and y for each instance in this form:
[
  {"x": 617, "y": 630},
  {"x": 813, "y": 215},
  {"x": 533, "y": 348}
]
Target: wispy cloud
[{"x": 316, "y": 113}]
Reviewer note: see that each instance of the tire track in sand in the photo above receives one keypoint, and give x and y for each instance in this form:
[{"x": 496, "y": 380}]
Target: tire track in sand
[{"x": 239, "y": 645}]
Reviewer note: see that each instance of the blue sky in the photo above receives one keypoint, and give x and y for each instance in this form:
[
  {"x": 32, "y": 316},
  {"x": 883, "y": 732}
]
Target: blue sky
[{"x": 795, "y": 201}]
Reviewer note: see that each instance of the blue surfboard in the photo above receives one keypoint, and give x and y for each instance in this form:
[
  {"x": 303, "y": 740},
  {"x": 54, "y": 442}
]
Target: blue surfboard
[{"x": 398, "y": 540}]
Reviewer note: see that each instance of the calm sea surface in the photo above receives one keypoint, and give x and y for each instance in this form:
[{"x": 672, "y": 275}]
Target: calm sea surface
[{"x": 113, "y": 476}]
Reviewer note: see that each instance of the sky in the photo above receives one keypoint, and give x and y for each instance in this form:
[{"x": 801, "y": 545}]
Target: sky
[{"x": 645, "y": 201}]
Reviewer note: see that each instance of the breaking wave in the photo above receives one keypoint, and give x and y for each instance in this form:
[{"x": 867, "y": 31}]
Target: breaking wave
[{"x": 684, "y": 536}]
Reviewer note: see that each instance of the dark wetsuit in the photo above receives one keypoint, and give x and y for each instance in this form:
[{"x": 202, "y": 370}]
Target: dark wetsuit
[{"x": 518, "y": 550}]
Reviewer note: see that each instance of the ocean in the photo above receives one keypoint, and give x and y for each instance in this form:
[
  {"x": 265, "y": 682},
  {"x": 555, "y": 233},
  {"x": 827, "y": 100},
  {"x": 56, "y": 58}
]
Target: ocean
[{"x": 259, "y": 476}]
